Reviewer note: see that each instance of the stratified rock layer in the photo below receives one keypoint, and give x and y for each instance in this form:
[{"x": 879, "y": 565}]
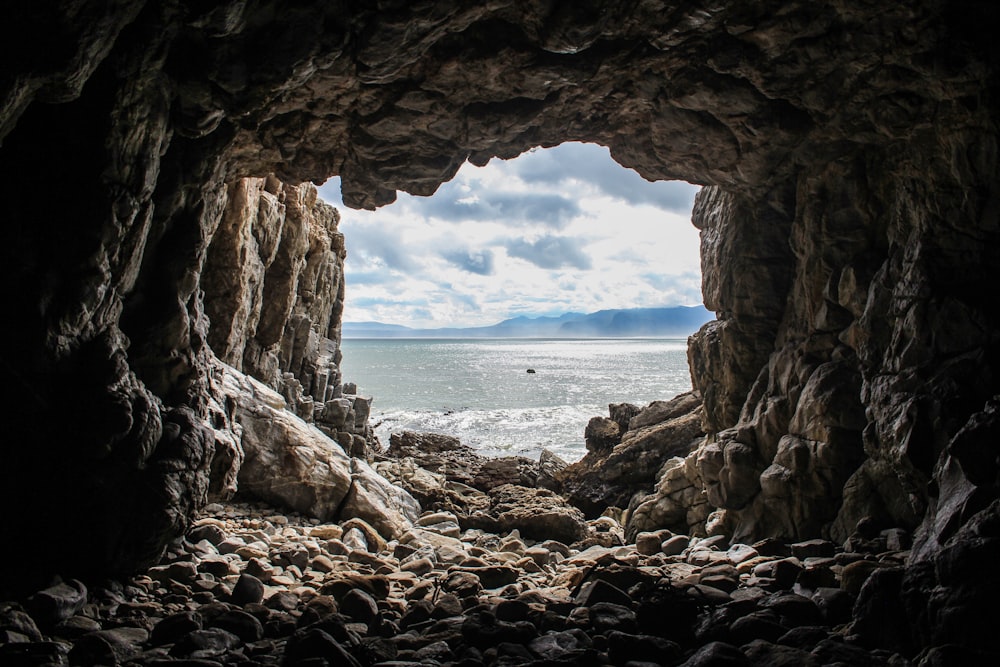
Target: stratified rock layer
[{"x": 850, "y": 236}]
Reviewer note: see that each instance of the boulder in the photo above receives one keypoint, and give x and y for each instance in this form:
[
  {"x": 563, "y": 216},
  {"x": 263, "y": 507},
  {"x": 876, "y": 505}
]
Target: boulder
[
  {"x": 388, "y": 508},
  {"x": 610, "y": 477},
  {"x": 537, "y": 513},
  {"x": 286, "y": 461}
]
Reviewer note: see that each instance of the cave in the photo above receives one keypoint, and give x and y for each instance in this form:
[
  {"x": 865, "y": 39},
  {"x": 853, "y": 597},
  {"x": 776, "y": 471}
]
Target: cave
[{"x": 849, "y": 219}]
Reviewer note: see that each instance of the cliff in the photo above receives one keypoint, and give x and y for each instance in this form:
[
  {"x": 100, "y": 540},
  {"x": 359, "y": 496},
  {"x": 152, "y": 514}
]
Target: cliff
[{"x": 849, "y": 232}]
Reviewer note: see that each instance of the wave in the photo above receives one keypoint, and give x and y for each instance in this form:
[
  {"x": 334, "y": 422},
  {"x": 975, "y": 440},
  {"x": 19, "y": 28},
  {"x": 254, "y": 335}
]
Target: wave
[{"x": 499, "y": 432}]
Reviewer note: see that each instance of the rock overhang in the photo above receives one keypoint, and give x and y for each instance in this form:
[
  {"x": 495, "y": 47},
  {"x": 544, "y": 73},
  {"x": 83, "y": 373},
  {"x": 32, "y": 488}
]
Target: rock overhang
[{"x": 853, "y": 147}]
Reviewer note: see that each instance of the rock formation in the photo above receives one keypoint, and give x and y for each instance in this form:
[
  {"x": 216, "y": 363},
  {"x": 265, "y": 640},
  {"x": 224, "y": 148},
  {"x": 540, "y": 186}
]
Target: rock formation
[{"x": 850, "y": 233}]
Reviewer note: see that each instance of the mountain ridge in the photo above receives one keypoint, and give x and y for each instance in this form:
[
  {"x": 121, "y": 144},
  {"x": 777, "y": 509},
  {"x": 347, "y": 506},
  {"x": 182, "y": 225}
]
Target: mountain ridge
[{"x": 668, "y": 322}]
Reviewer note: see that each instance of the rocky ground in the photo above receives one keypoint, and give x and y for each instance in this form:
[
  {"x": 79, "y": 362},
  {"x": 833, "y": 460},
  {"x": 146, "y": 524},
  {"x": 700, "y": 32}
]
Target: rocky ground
[{"x": 249, "y": 585}]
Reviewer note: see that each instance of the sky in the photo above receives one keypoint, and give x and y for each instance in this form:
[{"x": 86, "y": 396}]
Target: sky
[{"x": 564, "y": 229}]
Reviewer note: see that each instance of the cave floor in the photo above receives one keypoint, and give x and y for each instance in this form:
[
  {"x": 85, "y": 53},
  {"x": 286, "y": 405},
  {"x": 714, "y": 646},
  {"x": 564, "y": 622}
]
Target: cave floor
[{"x": 249, "y": 585}]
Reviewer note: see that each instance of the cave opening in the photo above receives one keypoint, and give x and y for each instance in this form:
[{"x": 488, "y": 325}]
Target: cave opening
[
  {"x": 514, "y": 265},
  {"x": 849, "y": 230}
]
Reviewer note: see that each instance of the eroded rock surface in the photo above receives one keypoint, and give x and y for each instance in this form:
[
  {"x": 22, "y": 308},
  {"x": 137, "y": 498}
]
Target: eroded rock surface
[
  {"x": 619, "y": 466},
  {"x": 849, "y": 233}
]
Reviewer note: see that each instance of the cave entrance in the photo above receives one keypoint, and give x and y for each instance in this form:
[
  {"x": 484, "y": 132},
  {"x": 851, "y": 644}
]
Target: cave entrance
[{"x": 437, "y": 313}]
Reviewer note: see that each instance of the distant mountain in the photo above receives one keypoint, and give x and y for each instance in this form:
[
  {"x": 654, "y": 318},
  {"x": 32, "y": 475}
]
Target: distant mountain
[{"x": 675, "y": 322}]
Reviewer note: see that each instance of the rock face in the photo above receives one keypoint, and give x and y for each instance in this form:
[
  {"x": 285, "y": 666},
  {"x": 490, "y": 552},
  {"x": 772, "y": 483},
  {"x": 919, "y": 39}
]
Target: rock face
[
  {"x": 623, "y": 460},
  {"x": 274, "y": 294},
  {"x": 292, "y": 464},
  {"x": 850, "y": 236}
]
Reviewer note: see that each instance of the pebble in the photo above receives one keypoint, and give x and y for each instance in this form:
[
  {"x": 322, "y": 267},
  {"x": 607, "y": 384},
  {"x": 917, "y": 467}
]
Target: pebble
[{"x": 253, "y": 586}]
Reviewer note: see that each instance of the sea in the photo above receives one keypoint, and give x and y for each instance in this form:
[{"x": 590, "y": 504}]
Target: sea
[{"x": 481, "y": 390}]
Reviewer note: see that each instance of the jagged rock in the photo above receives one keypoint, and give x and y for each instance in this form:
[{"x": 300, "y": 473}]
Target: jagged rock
[
  {"x": 678, "y": 501},
  {"x": 605, "y": 478},
  {"x": 850, "y": 150},
  {"x": 458, "y": 463},
  {"x": 602, "y": 434},
  {"x": 537, "y": 513},
  {"x": 432, "y": 490}
]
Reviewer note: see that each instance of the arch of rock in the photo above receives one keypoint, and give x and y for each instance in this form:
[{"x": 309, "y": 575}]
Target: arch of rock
[{"x": 850, "y": 236}]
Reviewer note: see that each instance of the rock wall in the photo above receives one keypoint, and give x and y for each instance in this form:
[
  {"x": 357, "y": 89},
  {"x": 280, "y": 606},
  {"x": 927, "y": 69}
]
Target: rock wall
[
  {"x": 850, "y": 236},
  {"x": 273, "y": 284}
]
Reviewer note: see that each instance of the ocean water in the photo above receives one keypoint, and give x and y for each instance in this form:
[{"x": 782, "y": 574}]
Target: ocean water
[{"x": 480, "y": 390}]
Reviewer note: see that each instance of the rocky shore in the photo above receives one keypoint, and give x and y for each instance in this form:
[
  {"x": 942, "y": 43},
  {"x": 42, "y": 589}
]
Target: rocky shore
[
  {"x": 250, "y": 585},
  {"x": 426, "y": 553}
]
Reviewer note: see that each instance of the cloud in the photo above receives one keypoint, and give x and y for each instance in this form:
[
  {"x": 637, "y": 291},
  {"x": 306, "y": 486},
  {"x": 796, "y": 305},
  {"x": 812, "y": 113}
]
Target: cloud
[
  {"x": 373, "y": 277},
  {"x": 453, "y": 203},
  {"x": 553, "y": 231},
  {"x": 551, "y": 252},
  {"x": 592, "y": 164},
  {"x": 378, "y": 250},
  {"x": 479, "y": 262}
]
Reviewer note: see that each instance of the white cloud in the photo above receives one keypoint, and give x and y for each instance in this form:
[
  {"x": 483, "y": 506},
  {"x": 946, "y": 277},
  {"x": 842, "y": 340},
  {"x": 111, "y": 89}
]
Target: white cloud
[{"x": 555, "y": 230}]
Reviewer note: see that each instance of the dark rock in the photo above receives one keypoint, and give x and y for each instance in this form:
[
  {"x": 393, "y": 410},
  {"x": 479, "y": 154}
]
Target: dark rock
[
  {"x": 492, "y": 576},
  {"x": 607, "y": 617},
  {"x": 93, "y": 650},
  {"x": 834, "y": 604},
  {"x": 763, "y": 625},
  {"x": 792, "y": 609},
  {"x": 245, "y": 626},
  {"x": 830, "y": 651},
  {"x": 765, "y": 654},
  {"x": 599, "y": 590},
  {"x": 512, "y": 610},
  {"x": 813, "y": 548},
  {"x": 17, "y": 654},
  {"x": 804, "y": 637},
  {"x": 602, "y": 434},
  {"x": 248, "y": 590},
  {"x": 314, "y": 643},
  {"x": 438, "y": 651},
  {"x": 951, "y": 654},
  {"x": 56, "y": 603},
  {"x": 879, "y": 614},
  {"x": 772, "y": 547},
  {"x": 360, "y": 606},
  {"x": 172, "y": 628},
  {"x": 669, "y": 613},
  {"x": 717, "y": 654},
  {"x": 207, "y": 643},
  {"x": 19, "y": 622},
  {"x": 448, "y": 605},
  {"x": 482, "y": 630},
  {"x": 854, "y": 575},
  {"x": 560, "y": 645},
  {"x": 417, "y": 613},
  {"x": 108, "y": 647},
  {"x": 376, "y": 585},
  {"x": 785, "y": 572},
  {"x": 623, "y": 648}
]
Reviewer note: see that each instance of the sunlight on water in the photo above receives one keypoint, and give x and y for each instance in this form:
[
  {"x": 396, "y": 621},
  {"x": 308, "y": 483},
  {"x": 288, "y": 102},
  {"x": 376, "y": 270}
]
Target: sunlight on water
[{"x": 481, "y": 392}]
